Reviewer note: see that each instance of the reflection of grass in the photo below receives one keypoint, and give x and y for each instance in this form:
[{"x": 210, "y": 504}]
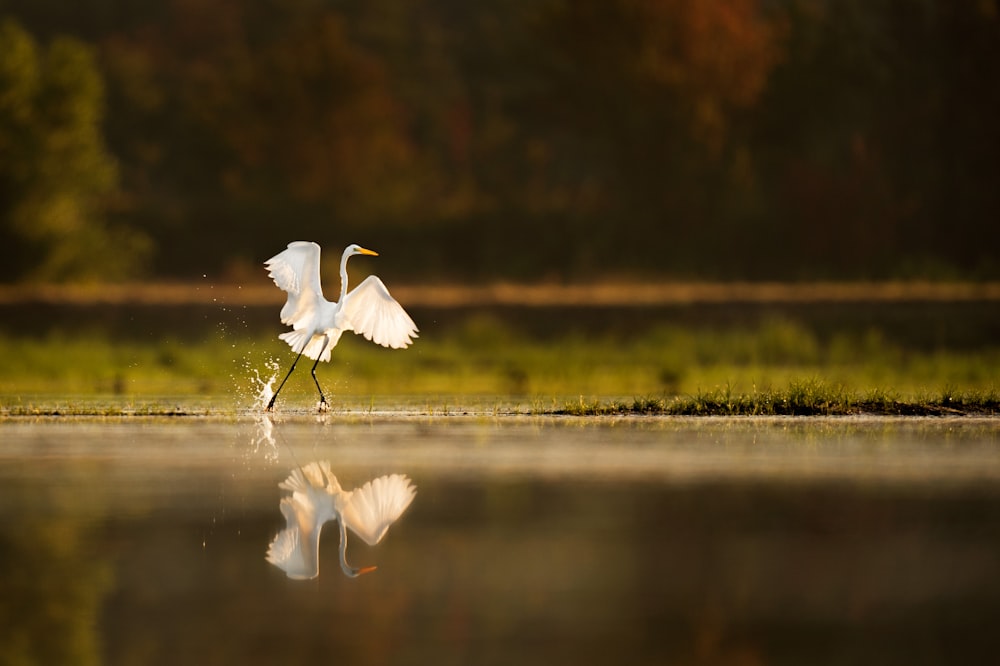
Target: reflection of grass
[{"x": 759, "y": 368}]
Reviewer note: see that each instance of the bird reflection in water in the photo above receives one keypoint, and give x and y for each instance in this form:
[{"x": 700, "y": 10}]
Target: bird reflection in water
[{"x": 316, "y": 498}]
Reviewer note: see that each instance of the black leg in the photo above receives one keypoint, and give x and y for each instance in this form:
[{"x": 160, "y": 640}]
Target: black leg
[
  {"x": 270, "y": 405},
  {"x": 322, "y": 398}
]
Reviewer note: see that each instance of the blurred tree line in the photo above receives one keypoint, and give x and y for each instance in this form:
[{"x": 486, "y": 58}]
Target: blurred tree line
[{"x": 753, "y": 139}]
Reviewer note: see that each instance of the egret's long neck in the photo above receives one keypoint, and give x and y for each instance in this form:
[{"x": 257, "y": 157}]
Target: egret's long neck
[
  {"x": 345, "y": 567},
  {"x": 343, "y": 275},
  {"x": 352, "y": 572}
]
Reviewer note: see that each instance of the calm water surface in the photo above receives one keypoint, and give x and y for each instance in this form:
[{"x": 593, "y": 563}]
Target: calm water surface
[{"x": 530, "y": 541}]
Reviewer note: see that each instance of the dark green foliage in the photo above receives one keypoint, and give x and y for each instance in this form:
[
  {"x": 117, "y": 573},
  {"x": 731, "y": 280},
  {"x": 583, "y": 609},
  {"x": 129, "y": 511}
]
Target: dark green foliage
[
  {"x": 509, "y": 140},
  {"x": 56, "y": 176}
]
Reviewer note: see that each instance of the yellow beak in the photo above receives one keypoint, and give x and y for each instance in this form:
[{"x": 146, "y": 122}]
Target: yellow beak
[{"x": 370, "y": 252}]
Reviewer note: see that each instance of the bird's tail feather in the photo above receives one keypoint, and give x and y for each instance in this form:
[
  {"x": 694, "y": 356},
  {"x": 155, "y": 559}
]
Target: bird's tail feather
[
  {"x": 312, "y": 475},
  {"x": 296, "y": 481},
  {"x": 296, "y": 339},
  {"x": 312, "y": 346}
]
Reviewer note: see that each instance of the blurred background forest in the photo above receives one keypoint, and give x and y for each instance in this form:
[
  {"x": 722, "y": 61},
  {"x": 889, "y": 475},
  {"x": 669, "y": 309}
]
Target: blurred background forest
[{"x": 502, "y": 140}]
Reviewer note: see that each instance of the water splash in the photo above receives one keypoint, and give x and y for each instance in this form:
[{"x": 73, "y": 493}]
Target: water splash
[{"x": 264, "y": 388}]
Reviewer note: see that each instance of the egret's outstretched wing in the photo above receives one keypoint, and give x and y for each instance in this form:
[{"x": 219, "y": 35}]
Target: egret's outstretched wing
[
  {"x": 373, "y": 507},
  {"x": 371, "y": 311},
  {"x": 286, "y": 554},
  {"x": 296, "y": 271},
  {"x": 295, "y": 550}
]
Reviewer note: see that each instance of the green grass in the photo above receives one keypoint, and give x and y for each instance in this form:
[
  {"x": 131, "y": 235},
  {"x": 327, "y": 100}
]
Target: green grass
[
  {"x": 776, "y": 367},
  {"x": 798, "y": 399}
]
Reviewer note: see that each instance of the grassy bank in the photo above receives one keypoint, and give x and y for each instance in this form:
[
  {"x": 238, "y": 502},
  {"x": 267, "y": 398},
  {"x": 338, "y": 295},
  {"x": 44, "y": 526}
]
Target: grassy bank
[
  {"x": 807, "y": 399},
  {"x": 798, "y": 399},
  {"x": 776, "y": 365}
]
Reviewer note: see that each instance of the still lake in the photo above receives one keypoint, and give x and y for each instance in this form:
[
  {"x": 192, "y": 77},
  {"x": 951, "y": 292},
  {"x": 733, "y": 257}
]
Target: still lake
[{"x": 531, "y": 540}]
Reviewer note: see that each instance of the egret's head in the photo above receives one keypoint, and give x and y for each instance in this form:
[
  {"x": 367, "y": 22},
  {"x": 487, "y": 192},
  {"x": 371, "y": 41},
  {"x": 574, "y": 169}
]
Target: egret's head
[{"x": 357, "y": 249}]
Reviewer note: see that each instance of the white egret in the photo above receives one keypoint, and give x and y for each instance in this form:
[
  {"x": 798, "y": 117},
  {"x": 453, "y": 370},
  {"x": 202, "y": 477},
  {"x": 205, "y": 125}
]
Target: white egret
[
  {"x": 317, "y": 324},
  {"x": 318, "y": 498}
]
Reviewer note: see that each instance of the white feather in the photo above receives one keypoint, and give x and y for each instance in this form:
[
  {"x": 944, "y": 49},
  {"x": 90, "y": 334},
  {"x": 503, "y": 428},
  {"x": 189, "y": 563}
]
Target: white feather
[
  {"x": 296, "y": 271},
  {"x": 295, "y": 550},
  {"x": 317, "y": 498},
  {"x": 372, "y": 312},
  {"x": 369, "y": 310},
  {"x": 372, "y": 508}
]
